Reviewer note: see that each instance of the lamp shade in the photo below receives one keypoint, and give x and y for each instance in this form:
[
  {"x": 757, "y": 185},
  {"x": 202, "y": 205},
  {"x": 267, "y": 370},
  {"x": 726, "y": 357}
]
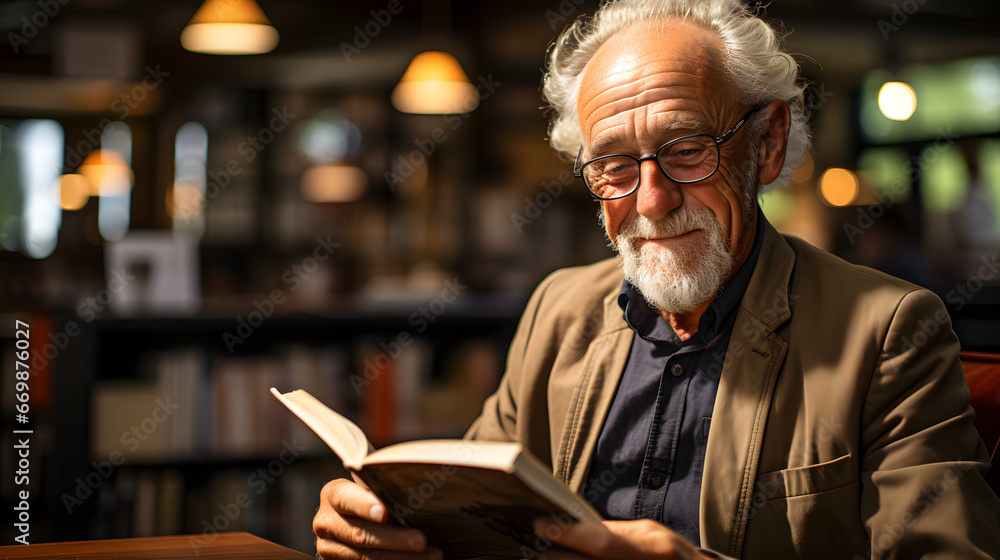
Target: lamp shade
[
  {"x": 435, "y": 83},
  {"x": 229, "y": 27}
]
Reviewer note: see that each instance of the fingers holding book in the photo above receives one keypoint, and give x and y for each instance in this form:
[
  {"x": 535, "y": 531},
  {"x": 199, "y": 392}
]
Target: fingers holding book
[
  {"x": 352, "y": 523},
  {"x": 614, "y": 540}
]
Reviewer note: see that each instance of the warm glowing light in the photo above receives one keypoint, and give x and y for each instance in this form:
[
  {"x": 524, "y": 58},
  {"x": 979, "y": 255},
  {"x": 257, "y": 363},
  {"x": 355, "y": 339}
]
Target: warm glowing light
[
  {"x": 107, "y": 173},
  {"x": 839, "y": 187},
  {"x": 74, "y": 191},
  {"x": 229, "y": 27},
  {"x": 185, "y": 200},
  {"x": 334, "y": 183},
  {"x": 897, "y": 101},
  {"x": 435, "y": 83}
]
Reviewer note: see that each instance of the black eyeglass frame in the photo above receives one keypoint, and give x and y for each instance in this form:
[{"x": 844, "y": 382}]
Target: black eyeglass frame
[{"x": 655, "y": 156}]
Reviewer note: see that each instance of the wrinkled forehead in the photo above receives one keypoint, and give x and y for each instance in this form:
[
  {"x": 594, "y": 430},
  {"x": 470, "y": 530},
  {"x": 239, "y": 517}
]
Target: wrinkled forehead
[{"x": 685, "y": 51}]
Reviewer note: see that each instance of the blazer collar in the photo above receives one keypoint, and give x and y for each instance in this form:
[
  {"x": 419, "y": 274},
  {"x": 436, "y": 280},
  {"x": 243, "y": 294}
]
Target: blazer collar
[{"x": 766, "y": 296}]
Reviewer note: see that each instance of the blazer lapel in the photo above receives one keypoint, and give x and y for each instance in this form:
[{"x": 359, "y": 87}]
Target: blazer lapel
[
  {"x": 591, "y": 396},
  {"x": 753, "y": 361}
]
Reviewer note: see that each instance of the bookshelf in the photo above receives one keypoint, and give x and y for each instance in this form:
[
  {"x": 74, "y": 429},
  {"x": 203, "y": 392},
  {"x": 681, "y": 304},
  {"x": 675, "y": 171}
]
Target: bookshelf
[{"x": 163, "y": 430}]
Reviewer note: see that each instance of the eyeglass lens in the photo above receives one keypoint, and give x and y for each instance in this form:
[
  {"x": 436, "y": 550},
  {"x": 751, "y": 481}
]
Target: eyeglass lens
[{"x": 684, "y": 160}]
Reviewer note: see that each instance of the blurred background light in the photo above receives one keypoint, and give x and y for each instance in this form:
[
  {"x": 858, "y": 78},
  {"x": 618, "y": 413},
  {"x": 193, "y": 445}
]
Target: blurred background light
[
  {"x": 897, "y": 101},
  {"x": 40, "y": 150},
  {"x": 229, "y": 27},
  {"x": 186, "y": 199},
  {"x": 435, "y": 83},
  {"x": 778, "y": 206},
  {"x": 945, "y": 178},
  {"x": 328, "y": 137},
  {"x": 888, "y": 170},
  {"x": 114, "y": 207},
  {"x": 74, "y": 191},
  {"x": 957, "y": 98},
  {"x": 106, "y": 173},
  {"x": 989, "y": 161},
  {"x": 334, "y": 183},
  {"x": 838, "y": 186},
  {"x": 986, "y": 84}
]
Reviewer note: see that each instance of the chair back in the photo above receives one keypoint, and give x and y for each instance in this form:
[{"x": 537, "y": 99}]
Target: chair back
[{"x": 982, "y": 373}]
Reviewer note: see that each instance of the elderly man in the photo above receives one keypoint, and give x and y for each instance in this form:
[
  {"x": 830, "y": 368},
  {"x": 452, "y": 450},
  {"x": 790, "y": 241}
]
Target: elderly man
[{"x": 722, "y": 386}]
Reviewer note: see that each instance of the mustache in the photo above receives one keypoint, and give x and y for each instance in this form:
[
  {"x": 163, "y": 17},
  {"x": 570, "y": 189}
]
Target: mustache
[{"x": 682, "y": 220}]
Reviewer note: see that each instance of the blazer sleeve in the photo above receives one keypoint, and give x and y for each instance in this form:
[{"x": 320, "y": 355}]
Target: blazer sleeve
[{"x": 923, "y": 492}]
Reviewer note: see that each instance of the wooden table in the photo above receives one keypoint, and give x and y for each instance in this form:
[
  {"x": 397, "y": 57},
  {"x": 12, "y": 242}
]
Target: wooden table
[{"x": 220, "y": 545}]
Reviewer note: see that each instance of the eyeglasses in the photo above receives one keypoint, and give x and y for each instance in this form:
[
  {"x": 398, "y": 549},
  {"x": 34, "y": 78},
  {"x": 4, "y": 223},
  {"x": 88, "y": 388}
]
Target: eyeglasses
[{"x": 687, "y": 159}]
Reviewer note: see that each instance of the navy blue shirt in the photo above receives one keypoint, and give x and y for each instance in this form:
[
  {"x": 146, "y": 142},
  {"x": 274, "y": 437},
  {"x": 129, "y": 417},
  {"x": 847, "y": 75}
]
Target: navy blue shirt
[{"x": 651, "y": 450}]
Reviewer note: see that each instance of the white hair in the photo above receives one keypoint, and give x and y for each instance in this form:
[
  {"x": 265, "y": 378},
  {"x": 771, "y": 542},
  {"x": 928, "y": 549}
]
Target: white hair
[{"x": 752, "y": 57}]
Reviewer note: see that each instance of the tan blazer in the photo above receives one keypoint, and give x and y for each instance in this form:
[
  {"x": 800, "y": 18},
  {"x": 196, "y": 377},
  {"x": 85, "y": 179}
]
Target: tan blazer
[{"x": 841, "y": 429}]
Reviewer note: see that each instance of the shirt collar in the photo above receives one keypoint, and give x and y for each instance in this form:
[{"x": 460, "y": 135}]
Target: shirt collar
[{"x": 642, "y": 319}]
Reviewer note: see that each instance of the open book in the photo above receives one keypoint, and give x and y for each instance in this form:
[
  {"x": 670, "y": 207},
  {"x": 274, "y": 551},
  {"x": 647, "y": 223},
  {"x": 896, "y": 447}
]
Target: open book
[{"x": 471, "y": 498}]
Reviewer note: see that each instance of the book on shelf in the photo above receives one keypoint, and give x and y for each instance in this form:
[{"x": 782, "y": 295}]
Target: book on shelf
[{"x": 471, "y": 498}]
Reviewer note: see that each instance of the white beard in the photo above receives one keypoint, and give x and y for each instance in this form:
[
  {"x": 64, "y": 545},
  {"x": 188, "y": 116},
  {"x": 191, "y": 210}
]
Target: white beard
[
  {"x": 672, "y": 280},
  {"x": 679, "y": 281}
]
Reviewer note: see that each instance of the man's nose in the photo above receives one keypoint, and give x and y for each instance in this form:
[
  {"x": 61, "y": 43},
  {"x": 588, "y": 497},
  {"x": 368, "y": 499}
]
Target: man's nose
[{"x": 657, "y": 194}]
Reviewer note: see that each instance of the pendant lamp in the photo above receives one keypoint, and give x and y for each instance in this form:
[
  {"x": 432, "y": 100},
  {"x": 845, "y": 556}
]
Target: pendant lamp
[
  {"x": 435, "y": 84},
  {"x": 229, "y": 27}
]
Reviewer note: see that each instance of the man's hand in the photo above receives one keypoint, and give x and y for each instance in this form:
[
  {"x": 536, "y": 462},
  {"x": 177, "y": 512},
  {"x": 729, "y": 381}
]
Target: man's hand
[
  {"x": 352, "y": 524},
  {"x": 642, "y": 538}
]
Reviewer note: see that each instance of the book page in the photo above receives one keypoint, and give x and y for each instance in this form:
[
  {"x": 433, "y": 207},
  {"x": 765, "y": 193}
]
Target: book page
[
  {"x": 344, "y": 437},
  {"x": 485, "y": 454}
]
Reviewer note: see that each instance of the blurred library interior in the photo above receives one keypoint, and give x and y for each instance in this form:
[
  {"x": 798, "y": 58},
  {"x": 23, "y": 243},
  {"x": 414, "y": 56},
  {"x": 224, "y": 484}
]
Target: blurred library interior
[{"x": 182, "y": 227}]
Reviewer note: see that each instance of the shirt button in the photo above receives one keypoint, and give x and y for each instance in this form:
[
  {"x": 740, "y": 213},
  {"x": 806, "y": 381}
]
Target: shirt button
[
  {"x": 677, "y": 370},
  {"x": 654, "y": 480}
]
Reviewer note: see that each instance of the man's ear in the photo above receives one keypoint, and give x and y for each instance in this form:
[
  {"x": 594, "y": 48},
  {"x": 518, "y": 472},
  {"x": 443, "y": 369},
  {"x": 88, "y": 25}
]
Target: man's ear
[{"x": 773, "y": 142}]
